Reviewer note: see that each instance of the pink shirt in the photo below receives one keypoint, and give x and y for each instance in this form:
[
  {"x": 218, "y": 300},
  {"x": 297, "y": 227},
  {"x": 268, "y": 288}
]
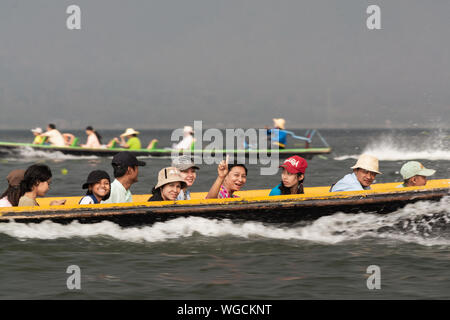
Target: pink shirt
[
  {"x": 92, "y": 142},
  {"x": 4, "y": 202},
  {"x": 223, "y": 193}
]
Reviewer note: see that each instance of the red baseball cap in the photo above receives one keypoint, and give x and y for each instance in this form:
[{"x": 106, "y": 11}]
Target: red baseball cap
[{"x": 295, "y": 164}]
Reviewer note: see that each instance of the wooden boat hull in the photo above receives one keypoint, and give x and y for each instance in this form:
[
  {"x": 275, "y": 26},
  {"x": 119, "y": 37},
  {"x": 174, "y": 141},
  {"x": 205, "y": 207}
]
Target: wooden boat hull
[
  {"x": 10, "y": 148},
  {"x": 315, "y": 203}
]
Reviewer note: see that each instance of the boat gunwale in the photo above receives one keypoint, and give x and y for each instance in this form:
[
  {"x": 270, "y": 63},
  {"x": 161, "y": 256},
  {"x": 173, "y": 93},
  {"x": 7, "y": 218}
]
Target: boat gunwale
[{"x": 231, "y": 204}]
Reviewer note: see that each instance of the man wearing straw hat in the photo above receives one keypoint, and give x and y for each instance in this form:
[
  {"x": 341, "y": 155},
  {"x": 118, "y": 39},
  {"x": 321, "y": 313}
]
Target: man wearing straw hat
[
  {"x": 133, "y": 142},
  {"x": 364, "y": 173},
  {"x": 278, "y": 134}
]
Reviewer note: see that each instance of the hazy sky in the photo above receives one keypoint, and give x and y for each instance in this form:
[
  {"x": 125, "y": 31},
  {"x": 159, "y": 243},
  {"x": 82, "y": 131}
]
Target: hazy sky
[{"x": 231, "y": 63}]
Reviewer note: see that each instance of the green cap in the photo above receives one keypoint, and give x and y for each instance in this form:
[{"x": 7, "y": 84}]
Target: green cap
[{"x": 415, "y": 168}]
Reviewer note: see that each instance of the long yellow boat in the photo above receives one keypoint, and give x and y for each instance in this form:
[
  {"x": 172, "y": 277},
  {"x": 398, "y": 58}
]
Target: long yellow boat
[{"x": 251, "y": 205}]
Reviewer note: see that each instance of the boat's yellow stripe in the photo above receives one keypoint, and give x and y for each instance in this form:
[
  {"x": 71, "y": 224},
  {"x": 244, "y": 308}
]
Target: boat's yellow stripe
[{"x": 252, "y": 196}]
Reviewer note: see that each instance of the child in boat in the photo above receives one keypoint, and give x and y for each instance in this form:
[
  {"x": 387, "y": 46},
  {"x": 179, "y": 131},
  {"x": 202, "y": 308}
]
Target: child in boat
[
  {"x": 36, "y": 183},
  {"x": 10, "y": 198},
  {"x": 169, "y": 185},
  {"x": 292, "y": 177},
  {"x": 188, "y": 173},
  {"x": 230, "y": 178},
  {"x": 99, "y": 186}
]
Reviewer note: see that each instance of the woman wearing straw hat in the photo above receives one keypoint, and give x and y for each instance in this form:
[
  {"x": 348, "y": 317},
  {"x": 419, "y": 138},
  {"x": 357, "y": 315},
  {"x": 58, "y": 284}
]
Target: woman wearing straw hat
[
  {"x": 364, "y": 173},
  {"x": 133, "y": 142},
  {"x": 169, "y": 185}
]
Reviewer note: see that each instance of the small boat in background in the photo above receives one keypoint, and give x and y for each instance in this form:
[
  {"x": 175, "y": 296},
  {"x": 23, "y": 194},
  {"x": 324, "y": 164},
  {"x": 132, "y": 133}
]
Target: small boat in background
[{"x": 253, "y": 205}]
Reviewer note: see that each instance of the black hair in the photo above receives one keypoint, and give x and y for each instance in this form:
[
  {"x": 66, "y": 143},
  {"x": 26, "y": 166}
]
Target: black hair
[
  {"x": 285, "y": 190},
  {"x": 119, "y": 170},
  {"x": 157, "y": 196},
  {"x": 99, "y": 137},
  {"x": 51, "y": 126},
  {"x": 235, "y": 164},
  {"x": 35, "y": 174},
  {"x": 89, "y": 192},
  {"x": 12, "y": 194}
]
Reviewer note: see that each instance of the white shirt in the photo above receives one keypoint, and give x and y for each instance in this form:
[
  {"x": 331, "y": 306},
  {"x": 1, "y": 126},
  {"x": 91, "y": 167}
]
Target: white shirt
[
  {"x": 92, "y": 142},
  {"x": 55, "y": 138},
  {"x": 185, "y": 144},
  {"x": 118, "y": 193},
  {"x": 4, "y": 202}
]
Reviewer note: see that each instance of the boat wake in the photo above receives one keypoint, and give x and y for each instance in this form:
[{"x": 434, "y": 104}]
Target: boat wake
[
  {"x": 389, "y": 148},
  {"x": 27, "y": 154},
  {"x": 424, "y": 223}
]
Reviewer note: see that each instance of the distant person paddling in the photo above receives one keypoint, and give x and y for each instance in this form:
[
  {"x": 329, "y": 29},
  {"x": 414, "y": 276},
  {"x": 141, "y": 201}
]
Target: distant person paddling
[
  {"x": 54, "y": 137},
  {"x": 133, "y": 142},
  {"x": 94, "y": 139}
]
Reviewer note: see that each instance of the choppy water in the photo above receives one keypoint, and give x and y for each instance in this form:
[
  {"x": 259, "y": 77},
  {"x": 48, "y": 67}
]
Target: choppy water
[{"x": 196, "y": 258}]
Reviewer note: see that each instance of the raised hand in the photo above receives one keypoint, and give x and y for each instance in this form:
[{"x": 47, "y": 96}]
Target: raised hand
[{"x": 222, "y": 168}]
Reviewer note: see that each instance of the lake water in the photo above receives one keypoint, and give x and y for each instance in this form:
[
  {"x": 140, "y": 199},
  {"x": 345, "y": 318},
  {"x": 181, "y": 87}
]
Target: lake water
[{"x": 196, "y": 258}]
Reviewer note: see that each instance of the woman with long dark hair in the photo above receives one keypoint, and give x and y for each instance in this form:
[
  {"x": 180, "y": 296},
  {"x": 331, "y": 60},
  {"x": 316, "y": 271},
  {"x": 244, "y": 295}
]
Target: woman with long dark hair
[
  {"x": 10, "y": 198},
  {"x": 94, "y": 139},
  {"x": 36, "y": 183},
  {"x": 292, "y": 177}
]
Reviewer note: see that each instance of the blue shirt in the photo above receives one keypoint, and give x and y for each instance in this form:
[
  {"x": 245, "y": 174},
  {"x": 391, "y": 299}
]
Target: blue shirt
[
  {"x": 348, "y": 183},
  {"x": 276, "y": 191},
  {"x": 277, "y": 135},
  {"x": 184, "y": 196}
]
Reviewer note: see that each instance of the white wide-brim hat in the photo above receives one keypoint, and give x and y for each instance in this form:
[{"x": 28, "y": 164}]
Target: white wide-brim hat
[
  {"x": 279, "y": 123},
  {"x": 169, "y": 175},
  {"x": 37, "y": 130},
  {"x": 367, "y": 162},
  {"x": 129, "y": 132}
]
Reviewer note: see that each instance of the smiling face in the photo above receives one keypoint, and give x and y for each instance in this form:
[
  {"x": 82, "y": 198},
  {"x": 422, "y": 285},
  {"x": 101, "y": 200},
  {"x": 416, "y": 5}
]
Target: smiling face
[
  {"x": 235, "y": 179},
  {"x": 290, "y": 179},
  {"x": 170, "y": 191},
  {"x": 189, "y": 176},
  {"x": 100, "y": 189},
  {"x": 365, "y": 177}
]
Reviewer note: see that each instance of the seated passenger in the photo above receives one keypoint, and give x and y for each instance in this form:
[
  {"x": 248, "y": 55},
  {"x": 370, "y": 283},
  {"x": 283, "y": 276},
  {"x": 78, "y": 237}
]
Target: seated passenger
[
  {"x": 99, "y": 186},
  {"x": 133, "y": 142},
  {"x": 93, "y": 140},
  {"x": 292, "y": 177},
  {"x": 10, "y": 198},
  {"x": 414, "y": 174},
  {"x": 188, "y": 139},
  {"x": 364, "y": 173},
  {"x": 231, "y": 178},
  {"x": 36, "y": 183},
  {"x": 38, "y": 139},
  {"x": 169, "y": 185},
  {"x": 187, "y": 171},
  {"x": 126, "y": 171},
  {"x": 55, "y": 138}
]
